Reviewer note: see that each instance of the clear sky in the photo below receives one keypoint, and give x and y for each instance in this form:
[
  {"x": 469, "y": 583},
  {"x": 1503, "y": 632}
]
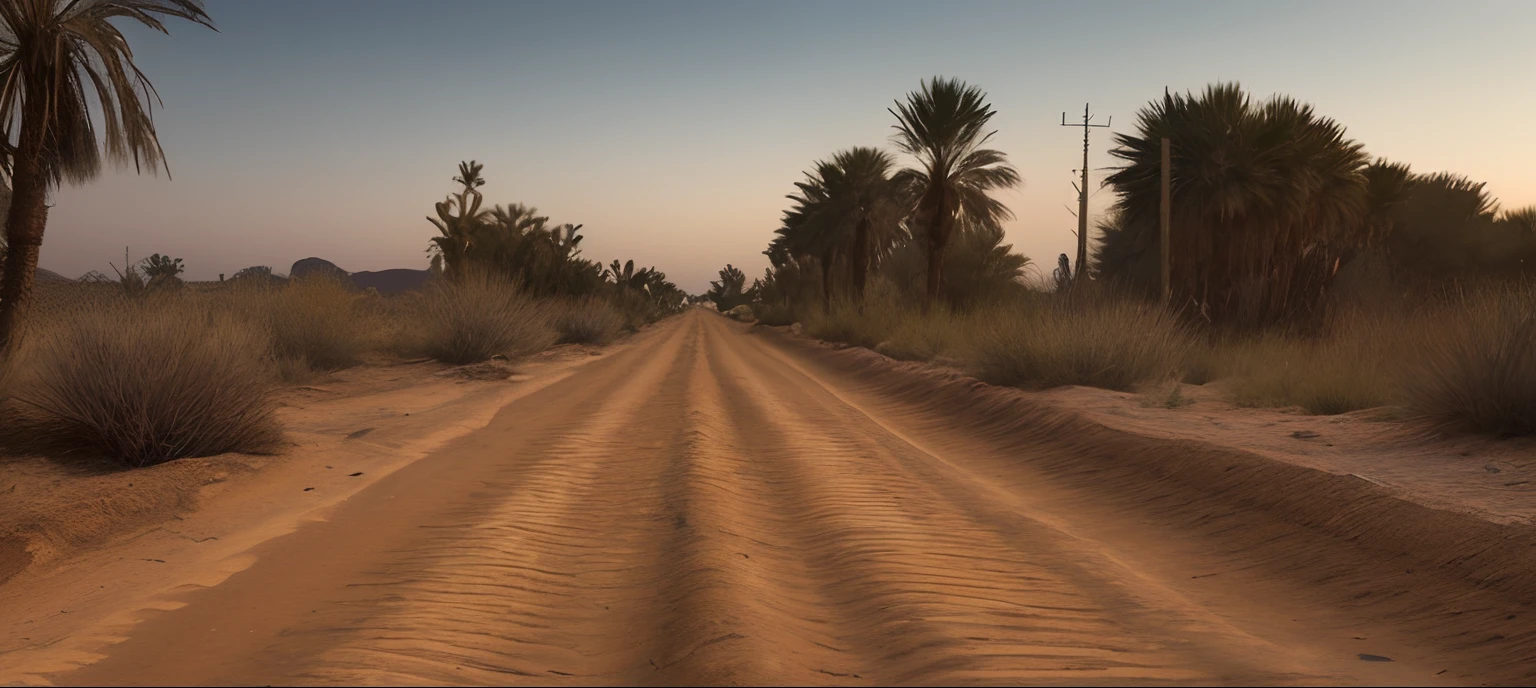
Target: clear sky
[{"x": 674, "y": 130}]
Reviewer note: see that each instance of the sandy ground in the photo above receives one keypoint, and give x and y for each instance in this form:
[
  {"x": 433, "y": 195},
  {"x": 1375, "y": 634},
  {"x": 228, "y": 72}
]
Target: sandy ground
[
  {"x": 1493, "y": 479},
  {"x": 712, "y": 503}
]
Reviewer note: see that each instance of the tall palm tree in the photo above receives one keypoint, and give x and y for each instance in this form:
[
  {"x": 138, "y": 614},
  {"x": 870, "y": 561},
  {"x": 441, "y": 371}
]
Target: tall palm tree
[
  {"x": 798, "y": 234},
  {"x": 848, "y": 211},
  {"x": 944, "y": 126},
  {"x": 57, "y": 59}
]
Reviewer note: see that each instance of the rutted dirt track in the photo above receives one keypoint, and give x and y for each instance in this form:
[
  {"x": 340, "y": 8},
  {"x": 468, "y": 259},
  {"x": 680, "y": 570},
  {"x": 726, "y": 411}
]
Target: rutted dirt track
[{"x": 711, "y": 506}]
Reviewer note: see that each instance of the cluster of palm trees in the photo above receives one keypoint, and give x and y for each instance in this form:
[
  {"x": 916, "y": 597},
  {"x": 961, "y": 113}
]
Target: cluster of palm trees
[
  {"x": 64, "y": 68},
  {"x": 856, "y": 210},
  {"x": 1270, "y": 200},
  {"x": 540, "y": 258}
]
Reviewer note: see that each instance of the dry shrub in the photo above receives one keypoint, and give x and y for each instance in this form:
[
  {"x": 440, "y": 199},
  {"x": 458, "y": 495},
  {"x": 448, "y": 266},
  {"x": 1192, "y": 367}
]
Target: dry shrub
[
  {"x": 477, "y": 316},
  {"x": 590, "y": 320},
  {"x": 1353, "y": 364},
  {"x": 314, "y": 323},
  {"x": 1474, "y": 365},
  {"x": 846, "y": 322},
  {"x": 1109, "y": 343},
  {"x": 317, "y": 320},
  {"x": 775, "y": 314},
  {"x": 1338, "y": 374},
  {"x": 923, "y": 336},
  {"x": 150, "y": 381}
]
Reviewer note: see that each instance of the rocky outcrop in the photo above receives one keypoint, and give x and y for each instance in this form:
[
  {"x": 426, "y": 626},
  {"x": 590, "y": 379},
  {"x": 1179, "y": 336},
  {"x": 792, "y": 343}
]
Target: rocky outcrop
[{"x": 315, "y": 266}]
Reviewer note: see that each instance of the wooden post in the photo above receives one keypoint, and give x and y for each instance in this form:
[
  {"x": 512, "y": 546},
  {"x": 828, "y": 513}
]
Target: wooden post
[{"x": 1165, "y": 213}]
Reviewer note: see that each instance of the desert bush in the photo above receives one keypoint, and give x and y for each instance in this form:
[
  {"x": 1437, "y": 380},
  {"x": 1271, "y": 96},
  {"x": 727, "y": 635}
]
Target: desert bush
[
  {"x": 848, "y": 323},
  {"x": 775, "y": 314},
  {"x": 1475, "y": 368},
  {"x": 1338, "y": 373},
  {"x": 316, "y": 320},
  {"x": 150, "y": 381},
  {"x": 920, "y": 336},
  {"x": 589, "y": 320},
  {"x": 476, "y": 316},
  {"x": 1112, "y": 343}
]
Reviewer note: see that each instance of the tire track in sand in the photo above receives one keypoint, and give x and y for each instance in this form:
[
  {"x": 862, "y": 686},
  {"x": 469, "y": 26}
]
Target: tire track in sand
[
  {"x": 538, "y": 587},
  {"x": 739, "y": 605},
  {"x": 952, "y": 588},
  {"x": 692, "y": 511}
]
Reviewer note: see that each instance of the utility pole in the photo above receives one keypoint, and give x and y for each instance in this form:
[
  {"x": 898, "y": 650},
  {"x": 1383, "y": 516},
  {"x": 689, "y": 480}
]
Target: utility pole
[{"x": 1082, "y": 192}]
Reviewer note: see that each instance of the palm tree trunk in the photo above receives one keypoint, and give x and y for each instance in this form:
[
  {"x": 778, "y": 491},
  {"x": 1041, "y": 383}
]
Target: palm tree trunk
[
  {"x": 24, "y": 224},
  {"x": 858, "y": 263},
  {"x": 936, "y": 245}
]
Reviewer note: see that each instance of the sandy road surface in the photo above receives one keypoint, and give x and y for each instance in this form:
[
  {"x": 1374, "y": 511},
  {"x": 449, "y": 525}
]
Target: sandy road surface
[{"x": 713, "y": 506}]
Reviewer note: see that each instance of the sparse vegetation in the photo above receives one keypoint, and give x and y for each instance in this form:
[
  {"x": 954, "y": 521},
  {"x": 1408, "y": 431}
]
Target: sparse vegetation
[
  {"x": 149, "y": 381},
  {"x": 924, "y": 336},
  {"x": 1114, "y": 344},
  {"x": 315, "y": 324},
  {"x": 1476, "y": 369},
  {"x": 1308, "y": 253},
  {"x": 62, "y": 59},
  {"x": 477, "y": 316},
  {"x": 589, "y": 320}
]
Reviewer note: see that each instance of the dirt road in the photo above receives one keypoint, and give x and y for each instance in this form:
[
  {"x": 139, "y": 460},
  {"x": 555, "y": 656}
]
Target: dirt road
[{"x": 714, "y": 506}]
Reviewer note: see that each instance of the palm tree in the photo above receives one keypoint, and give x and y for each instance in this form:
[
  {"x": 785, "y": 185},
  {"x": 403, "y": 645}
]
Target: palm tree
[
  {"x": 1268, "y": 199},
  {"x": 57, "y": 58},
  {"x": 848, "y": 213},
  {"x": 799, "y": 235},
  {"x": 944, "y": 126},
  {"x": 1522, "y": 220}
]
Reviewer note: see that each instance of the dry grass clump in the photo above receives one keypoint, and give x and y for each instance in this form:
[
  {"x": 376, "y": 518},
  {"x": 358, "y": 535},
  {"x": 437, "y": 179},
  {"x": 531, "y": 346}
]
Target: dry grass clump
[
  {"x": 923, "y": 336},
  {"x": 775, "y": 314},
  {"x": 590, "y": 320},
  {"x": 315, "y": 324},
  {"x": 1475, "y": 367},
  {"x": 478, "y": 316},
  {"x": 846, "y": 322},
  {"x": 316, "y": 321},
  {"x": 1345, "y": 371},
  {"x": 150, "y": 381},
  {"x": 1112, "y": 343}
]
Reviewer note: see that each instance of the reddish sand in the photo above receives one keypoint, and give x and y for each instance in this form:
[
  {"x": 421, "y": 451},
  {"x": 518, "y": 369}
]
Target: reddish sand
[{"x": 705, "y": 504}]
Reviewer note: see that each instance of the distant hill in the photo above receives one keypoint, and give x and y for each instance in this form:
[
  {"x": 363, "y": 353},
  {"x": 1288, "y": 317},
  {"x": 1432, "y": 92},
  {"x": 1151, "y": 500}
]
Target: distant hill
[
  {"x": 387, "y": 282},
  {"x": 50, "y": 276}
]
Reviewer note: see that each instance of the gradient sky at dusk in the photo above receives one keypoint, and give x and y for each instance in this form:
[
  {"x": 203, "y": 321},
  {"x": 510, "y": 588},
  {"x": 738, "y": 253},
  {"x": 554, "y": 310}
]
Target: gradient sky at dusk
[{"x": 673, "y": 131}]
